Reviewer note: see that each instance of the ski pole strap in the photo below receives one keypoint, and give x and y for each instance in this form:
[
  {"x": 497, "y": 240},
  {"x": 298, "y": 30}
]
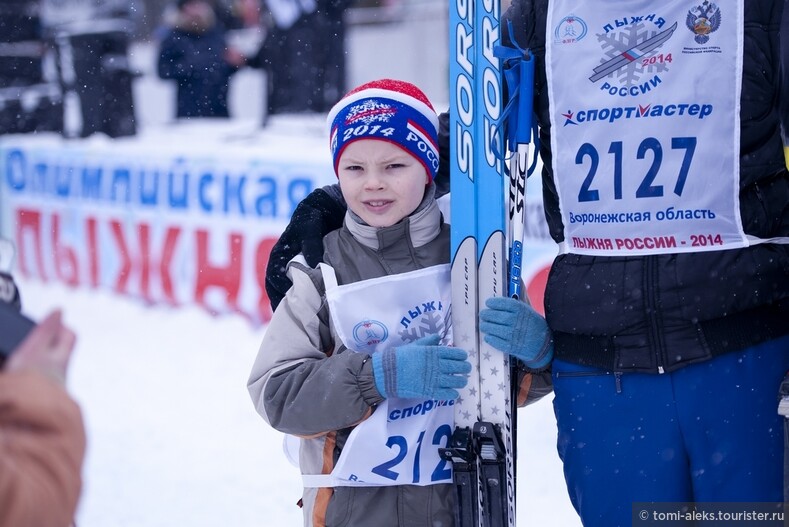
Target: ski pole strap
[{"x": 518, "y": 117}]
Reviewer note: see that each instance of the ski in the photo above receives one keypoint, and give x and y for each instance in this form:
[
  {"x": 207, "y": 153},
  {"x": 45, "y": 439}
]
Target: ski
[
  {"x": 461, "y": 450},
  {"x": 481, "y": 446}
]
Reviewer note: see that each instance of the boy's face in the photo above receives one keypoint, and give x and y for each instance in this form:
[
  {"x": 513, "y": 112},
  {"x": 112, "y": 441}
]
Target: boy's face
[{"x": 381, "y": 182}]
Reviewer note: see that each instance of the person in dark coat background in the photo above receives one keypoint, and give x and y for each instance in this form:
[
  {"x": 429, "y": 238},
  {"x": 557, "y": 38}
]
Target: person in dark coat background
[
  {"x": 303, "y": 55},
  {"x": 195, "y": 54},
  {"x": 334, "y": 80},
  {"x": 92, "y": 43}
]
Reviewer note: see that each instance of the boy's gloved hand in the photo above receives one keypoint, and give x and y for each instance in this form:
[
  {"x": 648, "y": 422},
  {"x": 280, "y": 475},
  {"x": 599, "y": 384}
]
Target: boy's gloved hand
[
  {"x": 515, "y": 328},
  {"x": 315, "y": 216},
  {"x": 421, "y": 370}
]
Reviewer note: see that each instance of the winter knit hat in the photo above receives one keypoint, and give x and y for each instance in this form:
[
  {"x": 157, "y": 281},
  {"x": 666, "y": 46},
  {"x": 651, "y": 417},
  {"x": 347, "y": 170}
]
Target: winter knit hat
[{"x": 389, "y": 110}]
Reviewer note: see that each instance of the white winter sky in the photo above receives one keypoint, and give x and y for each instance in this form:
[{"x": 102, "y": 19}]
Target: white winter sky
[{"x": 173, "y": 438}]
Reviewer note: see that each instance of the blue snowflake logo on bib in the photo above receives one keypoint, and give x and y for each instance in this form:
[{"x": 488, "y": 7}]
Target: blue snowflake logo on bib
[
  {"x": 633, "y": 52},
  {"x": 428, "y": 319}
]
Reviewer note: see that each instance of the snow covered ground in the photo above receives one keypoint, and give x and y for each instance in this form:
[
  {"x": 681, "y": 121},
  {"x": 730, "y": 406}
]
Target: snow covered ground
[{"x": 173, "y": 439}]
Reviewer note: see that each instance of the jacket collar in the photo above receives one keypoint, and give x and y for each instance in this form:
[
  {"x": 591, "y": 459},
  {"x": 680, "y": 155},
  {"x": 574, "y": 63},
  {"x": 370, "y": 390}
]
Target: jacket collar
[{"x": 421, "y": 227}]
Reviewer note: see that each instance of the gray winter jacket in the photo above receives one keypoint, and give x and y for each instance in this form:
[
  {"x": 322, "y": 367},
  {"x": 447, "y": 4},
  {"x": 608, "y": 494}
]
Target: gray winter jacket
[{"x": 306, "y": 383}]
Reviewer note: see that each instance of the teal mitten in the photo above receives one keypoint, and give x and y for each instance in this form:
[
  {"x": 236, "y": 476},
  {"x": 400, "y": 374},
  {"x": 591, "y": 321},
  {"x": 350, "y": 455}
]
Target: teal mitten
[
  {"x": 515, "y": 328},
  {"x": 422, "y": 370}
]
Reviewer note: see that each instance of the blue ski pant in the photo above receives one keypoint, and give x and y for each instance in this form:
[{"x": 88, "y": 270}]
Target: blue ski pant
[{"x": 709, "y": 432}]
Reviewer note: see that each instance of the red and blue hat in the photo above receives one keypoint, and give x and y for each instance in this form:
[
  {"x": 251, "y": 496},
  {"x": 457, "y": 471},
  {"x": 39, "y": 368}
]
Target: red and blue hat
[{"x": 388, "y": 110}]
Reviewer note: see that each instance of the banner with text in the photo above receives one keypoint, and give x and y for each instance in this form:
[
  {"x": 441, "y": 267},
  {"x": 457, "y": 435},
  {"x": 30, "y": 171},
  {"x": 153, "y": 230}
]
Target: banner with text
[
  {"x": 166, "y": 225},
  {"x": 174, "y": 225}
]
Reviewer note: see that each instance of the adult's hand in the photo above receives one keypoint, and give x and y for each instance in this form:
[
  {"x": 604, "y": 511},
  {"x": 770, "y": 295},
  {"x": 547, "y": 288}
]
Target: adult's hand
[
  {"x": 321, "y": 212},
  {"x": 47, "y": 349},
  {"x": 512, "y": 326}
]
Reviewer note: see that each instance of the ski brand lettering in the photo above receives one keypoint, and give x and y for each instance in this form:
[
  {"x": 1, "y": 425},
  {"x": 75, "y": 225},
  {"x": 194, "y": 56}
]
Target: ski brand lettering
[
  {"x": 484, "y": 490},
  {"x": 463, "y": 95}
]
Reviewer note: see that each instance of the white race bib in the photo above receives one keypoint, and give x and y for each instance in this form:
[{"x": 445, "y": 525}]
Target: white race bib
[
  {"x": 645, "y": 120},
  {"x": 377, "y": 314},
  {"x": 398, "y": 444}
]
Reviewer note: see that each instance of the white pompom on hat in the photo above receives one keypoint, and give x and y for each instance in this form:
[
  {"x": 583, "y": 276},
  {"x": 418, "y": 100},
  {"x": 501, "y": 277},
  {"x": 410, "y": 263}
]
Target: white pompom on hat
[{"x": 388, "y": 110}]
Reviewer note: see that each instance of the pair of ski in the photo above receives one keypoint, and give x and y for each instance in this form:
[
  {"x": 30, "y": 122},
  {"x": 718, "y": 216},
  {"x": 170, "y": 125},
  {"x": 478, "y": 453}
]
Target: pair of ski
[{"x": 482, "y": 446}]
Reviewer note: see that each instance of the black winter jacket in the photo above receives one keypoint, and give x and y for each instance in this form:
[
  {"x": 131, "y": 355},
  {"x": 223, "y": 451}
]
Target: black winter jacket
[
  {"x": 659, "y": 313},
  {"x": 196, "y": 62}
]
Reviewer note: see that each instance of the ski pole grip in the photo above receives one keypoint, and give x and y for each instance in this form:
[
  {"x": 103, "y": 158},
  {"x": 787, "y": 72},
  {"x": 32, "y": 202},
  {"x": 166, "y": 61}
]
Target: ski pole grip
[
  {"x": 516, "y": 259},
  {"x": 525, "y": 99}
]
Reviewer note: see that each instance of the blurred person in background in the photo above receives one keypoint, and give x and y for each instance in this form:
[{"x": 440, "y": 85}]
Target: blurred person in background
[
  {"x": 92, "y": 42},
  {"x": 303, "y": 55},
  {"x": 238, "y": 14},
  {"x": 334, "y": 66},
  {"x": 42, "y": 434},
  {"x": 244, "y": 23},
  {"x": 194, "y": 53}
]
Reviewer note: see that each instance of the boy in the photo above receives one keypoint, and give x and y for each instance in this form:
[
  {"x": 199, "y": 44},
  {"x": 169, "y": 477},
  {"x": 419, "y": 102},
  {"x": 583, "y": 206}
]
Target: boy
[{"x": 355, "y": 360}]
